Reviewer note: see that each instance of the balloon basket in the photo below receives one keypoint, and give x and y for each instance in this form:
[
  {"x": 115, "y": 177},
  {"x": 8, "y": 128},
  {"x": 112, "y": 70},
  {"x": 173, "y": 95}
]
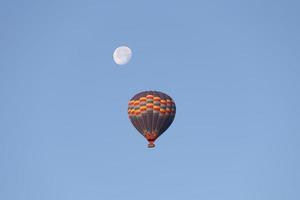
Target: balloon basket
[{"x": 151, "y": 145}]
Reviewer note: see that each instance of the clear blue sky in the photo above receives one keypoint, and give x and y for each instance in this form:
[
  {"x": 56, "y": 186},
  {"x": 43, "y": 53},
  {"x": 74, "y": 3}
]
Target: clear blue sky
[{"x": 233, "y": 68}]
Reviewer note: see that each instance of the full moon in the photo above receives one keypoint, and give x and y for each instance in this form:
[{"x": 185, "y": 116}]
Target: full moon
[{"x": 122, "y": 55}]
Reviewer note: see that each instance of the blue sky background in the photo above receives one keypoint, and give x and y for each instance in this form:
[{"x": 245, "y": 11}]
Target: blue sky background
[{"x": 231, "y": 66}]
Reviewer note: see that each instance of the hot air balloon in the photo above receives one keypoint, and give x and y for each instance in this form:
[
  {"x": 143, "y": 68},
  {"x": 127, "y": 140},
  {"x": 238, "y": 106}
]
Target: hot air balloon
[{"x": 151, "y": 113}]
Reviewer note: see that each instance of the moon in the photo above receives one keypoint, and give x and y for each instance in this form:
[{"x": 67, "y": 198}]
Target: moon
[{"x": 122, "y": 55}]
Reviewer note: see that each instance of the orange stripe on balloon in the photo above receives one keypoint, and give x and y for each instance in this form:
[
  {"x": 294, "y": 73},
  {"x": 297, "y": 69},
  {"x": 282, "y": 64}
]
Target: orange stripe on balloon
[
  {"x": 156, "y": 98},
  {"x": 149, "y": 96},
  {"x": 143, "y": 99}
]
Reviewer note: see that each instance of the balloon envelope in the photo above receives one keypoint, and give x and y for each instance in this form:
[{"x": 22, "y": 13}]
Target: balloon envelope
[{"x": 151, "y": 113}]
